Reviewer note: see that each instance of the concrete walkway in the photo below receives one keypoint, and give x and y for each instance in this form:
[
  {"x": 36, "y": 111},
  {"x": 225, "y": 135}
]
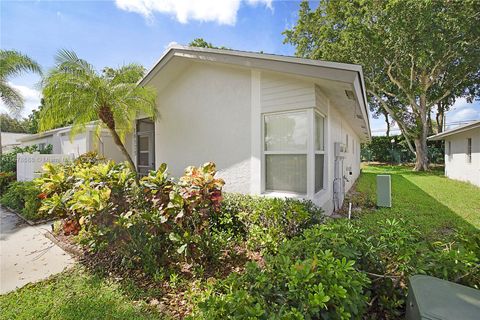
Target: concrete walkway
[{"x": 26, "y": 255}]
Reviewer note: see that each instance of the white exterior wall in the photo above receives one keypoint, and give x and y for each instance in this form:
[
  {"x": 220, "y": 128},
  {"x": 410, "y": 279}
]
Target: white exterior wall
[
  {"x": 456, "y": 165},
  {"x": 336, "y": 131},
  {"x": 50, "y": 139},
  {"x": 204, "y": 115},
  {"x": 75, "y": 146},
  {"x": 106, "y": 147},
  {"x": 82, "y": 143},
  {"x": 283, "y": 93},
  {"x": 212, "y": 112}
]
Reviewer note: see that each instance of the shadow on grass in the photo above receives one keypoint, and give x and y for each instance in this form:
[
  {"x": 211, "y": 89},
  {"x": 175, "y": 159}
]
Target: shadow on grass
[
  {"x": 407, "y": 169},
  {"x": 409, "y": 202}
]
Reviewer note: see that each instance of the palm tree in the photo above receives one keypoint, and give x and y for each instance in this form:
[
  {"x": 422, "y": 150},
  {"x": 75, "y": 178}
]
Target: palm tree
[
  {"x": 74, "y": 91},
  {"x": 13, "y": 63}
]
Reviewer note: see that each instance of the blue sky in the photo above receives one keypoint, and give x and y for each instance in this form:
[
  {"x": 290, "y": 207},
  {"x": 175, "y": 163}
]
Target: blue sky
[{"x": 111, "y": 33}]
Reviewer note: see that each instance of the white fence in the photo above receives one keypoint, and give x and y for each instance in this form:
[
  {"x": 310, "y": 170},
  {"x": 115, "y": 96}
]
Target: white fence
[{"x": 29, "y": 165}]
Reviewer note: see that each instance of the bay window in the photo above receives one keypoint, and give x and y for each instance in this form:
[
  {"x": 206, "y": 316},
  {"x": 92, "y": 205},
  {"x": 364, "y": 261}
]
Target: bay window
[{"x": 293, "y": 146}]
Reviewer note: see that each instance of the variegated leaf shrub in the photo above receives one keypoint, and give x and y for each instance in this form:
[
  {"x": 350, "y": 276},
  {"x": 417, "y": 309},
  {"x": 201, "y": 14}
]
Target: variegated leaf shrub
[{"x": 152, "y": 221}]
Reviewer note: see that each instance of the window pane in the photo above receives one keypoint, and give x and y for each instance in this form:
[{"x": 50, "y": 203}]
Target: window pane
[
  {"x": 145, "y": 126},
  {"x": 286, "y": 132},
  {"x": 319, "y": 163},
  {"x": 319, "y": 134},
  {"x": 143, "y": 144},
  {"x": 143, "y": 159},
  {"x": 286, "y": 172}
]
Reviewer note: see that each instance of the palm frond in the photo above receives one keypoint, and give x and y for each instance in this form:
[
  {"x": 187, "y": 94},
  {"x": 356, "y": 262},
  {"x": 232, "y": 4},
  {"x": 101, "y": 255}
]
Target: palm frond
[
  {"x": 13, "y": 63},
  {"x": 11, "y": 97}
]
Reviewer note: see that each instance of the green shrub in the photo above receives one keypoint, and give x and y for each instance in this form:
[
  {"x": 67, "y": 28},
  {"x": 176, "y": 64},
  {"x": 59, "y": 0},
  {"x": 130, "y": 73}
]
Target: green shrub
[
  {"x": 23, "y": 197},
  {"x": 382, "y": 149},
  {"x": 267, "y": 222},
  {"x": 6, "y": 178},
  {"x": 8, "y": 161},
  {"x": 321, "y": 286},
  {"x": 390, "y": 253},
  {"x": 150, "y": 222}
]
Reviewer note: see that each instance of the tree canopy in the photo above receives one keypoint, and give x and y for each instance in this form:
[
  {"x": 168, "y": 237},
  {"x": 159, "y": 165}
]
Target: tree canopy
[
  {"x": 200, "y": 42},
  {"x": 414, "y": 53},
  {"x": 75, "y": 92}
]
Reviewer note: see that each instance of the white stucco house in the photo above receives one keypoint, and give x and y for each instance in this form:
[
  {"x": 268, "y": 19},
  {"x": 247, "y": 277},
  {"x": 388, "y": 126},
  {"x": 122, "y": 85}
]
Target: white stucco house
[
  {"x": 89, "y": 140},
  {"x": 462, "y": 152},
  {"x": 274, "y": 125}
]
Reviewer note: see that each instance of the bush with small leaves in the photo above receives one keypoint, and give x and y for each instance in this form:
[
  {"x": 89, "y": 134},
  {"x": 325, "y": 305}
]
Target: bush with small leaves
[
  {"x": 266, "y": 222},
  {"x": 319, "y": 287},
  {"x": 25, "y": 198}
]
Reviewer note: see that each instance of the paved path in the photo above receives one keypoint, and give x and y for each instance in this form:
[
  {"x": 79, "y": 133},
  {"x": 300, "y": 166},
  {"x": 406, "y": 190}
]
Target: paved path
[{"x": 26, "y": 255}]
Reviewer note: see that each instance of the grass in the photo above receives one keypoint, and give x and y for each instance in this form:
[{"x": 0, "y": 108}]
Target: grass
[
  {"x": 74, "y": 294},
  {"x": 428, "y": 200}
]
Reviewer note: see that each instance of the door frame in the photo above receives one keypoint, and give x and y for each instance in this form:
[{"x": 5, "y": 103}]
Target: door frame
[{"x": 144, "y": 169}]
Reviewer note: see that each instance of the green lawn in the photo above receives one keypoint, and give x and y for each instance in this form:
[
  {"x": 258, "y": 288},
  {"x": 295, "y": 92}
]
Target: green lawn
[
  {"x": 431, "y": 202},
  {"x": 74, "y": 294}
]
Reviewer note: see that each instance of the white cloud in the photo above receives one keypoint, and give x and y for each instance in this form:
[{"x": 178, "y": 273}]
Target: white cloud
[
  {"x": 30, "y": 96},
  {"x": 463, "y": 111},
  {"x": 220, "y": 11}
]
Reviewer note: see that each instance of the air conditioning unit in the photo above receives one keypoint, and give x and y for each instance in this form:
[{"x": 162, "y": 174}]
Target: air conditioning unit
[{"x": 340, "y": 149}]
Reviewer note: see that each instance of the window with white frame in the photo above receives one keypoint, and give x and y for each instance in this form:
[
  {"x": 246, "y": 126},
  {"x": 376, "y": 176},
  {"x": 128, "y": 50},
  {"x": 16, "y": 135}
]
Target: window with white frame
[
  {"x": 293, "y": 143},
  {"x": 319, "y": 151}
]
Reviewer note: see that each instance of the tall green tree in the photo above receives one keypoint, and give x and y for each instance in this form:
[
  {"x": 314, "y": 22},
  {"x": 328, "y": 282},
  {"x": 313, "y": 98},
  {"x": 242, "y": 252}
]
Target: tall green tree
[
  {"x": 75, "y": 92},
  {"x": 200, "y": 42},
  {"x": 11, "y": 124},
  {"x": 414, "y": 53},
  {"x": 13, "y": 63}
]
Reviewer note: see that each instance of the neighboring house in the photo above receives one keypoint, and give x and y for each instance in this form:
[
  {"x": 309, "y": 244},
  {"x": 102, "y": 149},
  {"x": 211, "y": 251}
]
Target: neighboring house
[
  {"x": 11, "y": 140},
  {"x": 462, "y": 152},
  {"x": 274, "y": 125},
  {"x": 63, "y": 143}
]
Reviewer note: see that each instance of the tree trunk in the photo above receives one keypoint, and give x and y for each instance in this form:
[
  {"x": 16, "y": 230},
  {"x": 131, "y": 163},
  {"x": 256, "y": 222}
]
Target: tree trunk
[
  {"x": 429, "y": 121},
  {"x": 388, "y": 124},
  {"x": 122, "y": 148},
  {"x": 440, "y": 117},
  {"x": 106, "y": 115},
  {"x": 421, "y": 161}
]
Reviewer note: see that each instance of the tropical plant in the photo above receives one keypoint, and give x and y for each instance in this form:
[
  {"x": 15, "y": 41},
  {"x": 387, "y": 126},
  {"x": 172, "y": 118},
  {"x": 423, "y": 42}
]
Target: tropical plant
[
  {"x": 415, "y": 54},
  {"x": 13, "y": 63},
  {"x": 75, "y": 92}
]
